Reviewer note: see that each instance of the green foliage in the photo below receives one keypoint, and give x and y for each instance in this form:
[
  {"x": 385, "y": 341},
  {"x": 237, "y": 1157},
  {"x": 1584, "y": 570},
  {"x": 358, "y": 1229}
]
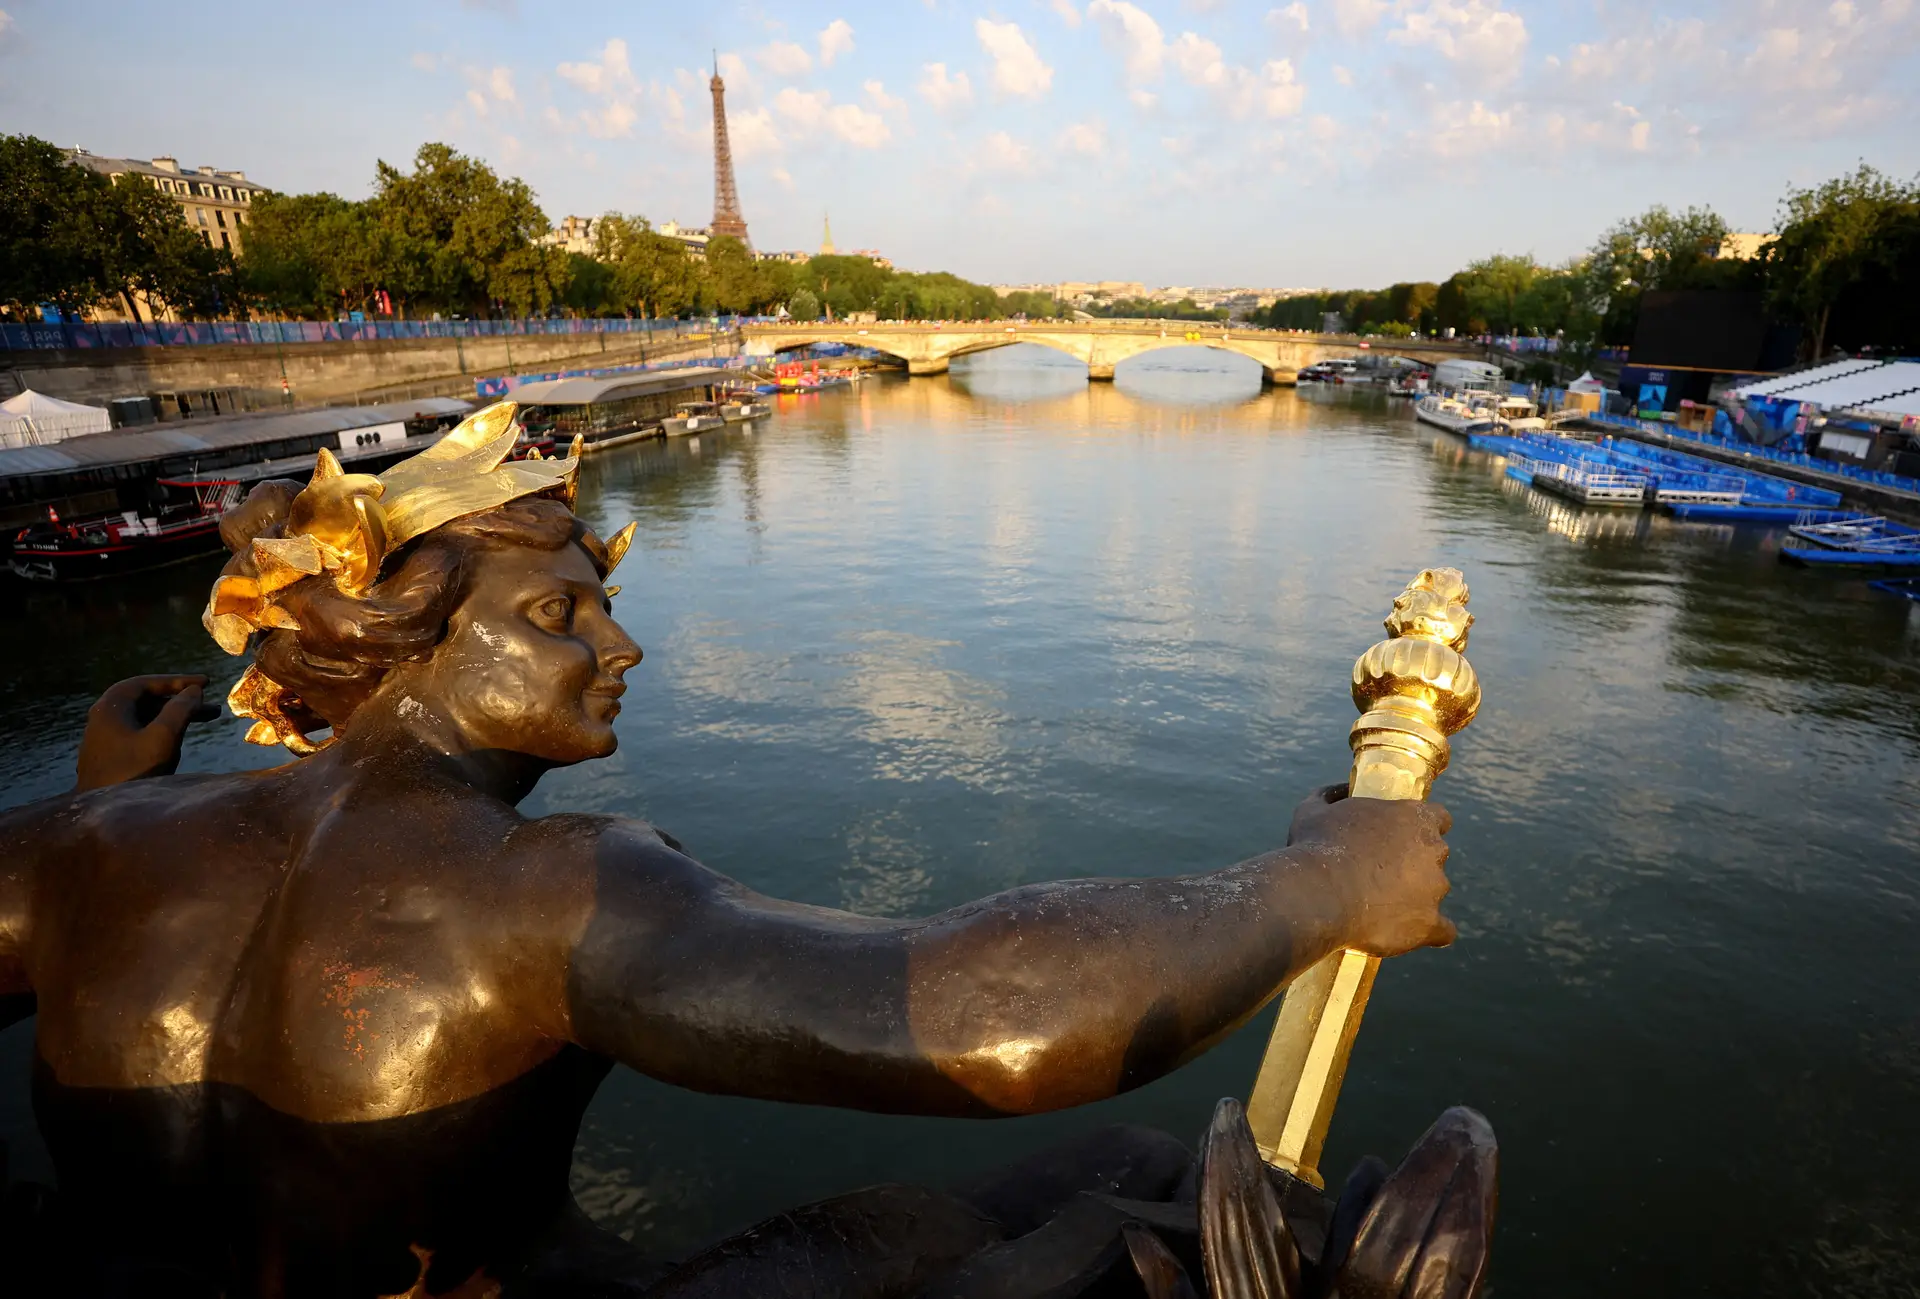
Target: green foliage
[
  {"x": 1143, "y": 309},
  {"x": 70, "y": 237},
  {"x": 1032, "y": 304},
  {"x": 463, "y": 239},
  {"x": 803, "y": 305},
  {"x": 652, "y": 274},
  {"x": 1659, "y": 249},
  {"x": 1835, "y": 236}
]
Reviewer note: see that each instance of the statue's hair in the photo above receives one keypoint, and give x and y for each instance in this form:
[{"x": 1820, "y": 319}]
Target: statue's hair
[{"x": 346, "y": 646}]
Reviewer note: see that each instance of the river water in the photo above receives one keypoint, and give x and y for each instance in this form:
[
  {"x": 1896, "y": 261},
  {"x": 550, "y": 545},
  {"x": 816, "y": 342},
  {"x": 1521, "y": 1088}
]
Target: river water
[{"x": 926, "y": 640}]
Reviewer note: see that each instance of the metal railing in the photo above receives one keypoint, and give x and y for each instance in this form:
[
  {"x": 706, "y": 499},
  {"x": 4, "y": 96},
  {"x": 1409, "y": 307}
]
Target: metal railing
[
  {"x": 80, "y": 334},
  {"x": 1798, "y": 460}
]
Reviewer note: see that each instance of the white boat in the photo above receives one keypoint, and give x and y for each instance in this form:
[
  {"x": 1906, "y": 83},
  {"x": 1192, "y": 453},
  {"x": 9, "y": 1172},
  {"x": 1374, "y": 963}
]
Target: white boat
[
  {"x": 740, "y": 407},
  {"x": 1472, "y": 411},
  {"x": 692, "y": 417},
  {"x": 1518, "y": 415}
]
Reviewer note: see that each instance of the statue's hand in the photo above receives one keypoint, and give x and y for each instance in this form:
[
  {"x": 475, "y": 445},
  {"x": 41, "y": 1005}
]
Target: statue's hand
[
  {"x": 135, "y": 729},
  {"x": 1388, "y": 860}
]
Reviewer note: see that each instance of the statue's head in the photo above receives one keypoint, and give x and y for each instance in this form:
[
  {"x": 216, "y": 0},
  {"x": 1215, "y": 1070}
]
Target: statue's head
[{"x": 455, "y": 588}]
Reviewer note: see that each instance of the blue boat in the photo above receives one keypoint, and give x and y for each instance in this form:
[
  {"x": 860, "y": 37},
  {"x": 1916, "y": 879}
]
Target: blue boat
[
  {"x": 1714, "y": 513},
  {"x": 1866, "y": 532},
  {"x": 1906, "y": 587},
  {"x": 1820, "y": 557}
]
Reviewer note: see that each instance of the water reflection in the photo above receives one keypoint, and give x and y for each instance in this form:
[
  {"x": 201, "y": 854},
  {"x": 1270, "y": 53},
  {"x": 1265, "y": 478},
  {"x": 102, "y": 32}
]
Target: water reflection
[{"x": 916, "y": 641}]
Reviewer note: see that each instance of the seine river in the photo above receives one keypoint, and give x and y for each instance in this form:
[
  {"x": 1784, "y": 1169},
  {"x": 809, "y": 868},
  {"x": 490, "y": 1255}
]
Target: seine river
[{"x": 926, "y": 640}]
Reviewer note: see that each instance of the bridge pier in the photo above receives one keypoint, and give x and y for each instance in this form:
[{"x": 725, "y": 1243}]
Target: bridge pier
[
  {"x": 937, "y": 366},
  {"x": 1100, "y": 373}
]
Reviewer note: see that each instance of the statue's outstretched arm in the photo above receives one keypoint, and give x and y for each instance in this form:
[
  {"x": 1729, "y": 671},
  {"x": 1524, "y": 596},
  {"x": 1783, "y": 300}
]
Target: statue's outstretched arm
[
  {"x": 1030, "y": 1000},
  {"x": 134, "y": 730}
]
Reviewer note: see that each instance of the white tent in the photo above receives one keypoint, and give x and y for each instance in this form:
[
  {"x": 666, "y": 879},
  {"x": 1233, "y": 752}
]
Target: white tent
[
  {"x": 35, "y": 419},
  {"x": 1586, "y": 383}
]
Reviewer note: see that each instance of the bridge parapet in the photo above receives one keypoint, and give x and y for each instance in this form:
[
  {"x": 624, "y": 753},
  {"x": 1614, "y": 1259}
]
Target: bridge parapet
[{"x": 930, "y": 347}]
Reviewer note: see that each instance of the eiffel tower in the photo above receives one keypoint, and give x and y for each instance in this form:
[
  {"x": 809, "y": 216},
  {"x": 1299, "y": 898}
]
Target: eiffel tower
[{"x": 726, "y": 198}]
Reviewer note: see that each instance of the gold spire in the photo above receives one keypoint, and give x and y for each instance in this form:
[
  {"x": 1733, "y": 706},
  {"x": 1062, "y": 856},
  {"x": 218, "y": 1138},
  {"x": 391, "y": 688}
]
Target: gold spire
[{"x": 826, "y": 238}]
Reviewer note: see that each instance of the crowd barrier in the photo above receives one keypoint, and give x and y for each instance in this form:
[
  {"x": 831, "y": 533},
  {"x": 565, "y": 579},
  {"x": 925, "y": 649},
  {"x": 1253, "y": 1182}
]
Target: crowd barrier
[{"x": 80, "y": 334}]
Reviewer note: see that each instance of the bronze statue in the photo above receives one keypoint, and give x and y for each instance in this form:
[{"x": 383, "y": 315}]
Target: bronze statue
[{"x": 330, "y": 1028}]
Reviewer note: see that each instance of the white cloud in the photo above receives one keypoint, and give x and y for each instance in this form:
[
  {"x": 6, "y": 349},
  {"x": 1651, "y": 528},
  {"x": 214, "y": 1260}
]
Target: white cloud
[
  {"x": 6, "y": 23},
  {"x": 608, "y": 79},
  {"x": 785, "y": 59},
  {"x": 1342, "y": 75},
  {"x": 782, "y": 178},
  {"x": 1483, "y": 36},
  {"x": 943, "y": 92},
  {"x": 1356, "y": 17},
  {"x": 1278, "y": 93},
  {"x": 752, "y": 134},
  {"x": 1198, "y": 60},
  {"x": 813, "y": 111},
  {"x": 1463, "y": 130},
  {"x": 610, "y": 74},
  {"x": 1131, "y": 30},
  {"x": 500, "y": 85},
  {"x": 836, "y": 38},
  {"x": 1086, "y": 138},
  {"x": 877, "y": 92},
  {"x": 421, "y": 62},
  {"x": 1017, "y": 67},
  {"x": 1068, "y": 13},
  {"x": 1294, "y": 15},
  {"x": 1001, "y": 152}
]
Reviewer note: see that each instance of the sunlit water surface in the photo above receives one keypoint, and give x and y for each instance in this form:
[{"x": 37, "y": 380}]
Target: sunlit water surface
[{"x": 927, "y": 640}]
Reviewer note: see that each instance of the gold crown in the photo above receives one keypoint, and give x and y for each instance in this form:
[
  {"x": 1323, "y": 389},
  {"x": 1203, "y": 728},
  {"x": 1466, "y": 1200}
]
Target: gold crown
[{"x": 346, "y": 525}]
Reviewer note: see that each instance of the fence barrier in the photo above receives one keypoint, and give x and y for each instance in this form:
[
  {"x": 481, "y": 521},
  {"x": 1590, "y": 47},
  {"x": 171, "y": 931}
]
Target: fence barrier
[
  {"x": 1800, "y": 460},
  {"x": 80, "y": 334}
]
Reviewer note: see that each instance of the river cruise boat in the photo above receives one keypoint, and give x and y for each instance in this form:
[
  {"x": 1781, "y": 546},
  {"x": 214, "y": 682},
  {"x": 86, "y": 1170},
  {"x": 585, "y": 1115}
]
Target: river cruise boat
[
  {"x": 185, "y": 524},
  {"x": 691, "y": 417}
]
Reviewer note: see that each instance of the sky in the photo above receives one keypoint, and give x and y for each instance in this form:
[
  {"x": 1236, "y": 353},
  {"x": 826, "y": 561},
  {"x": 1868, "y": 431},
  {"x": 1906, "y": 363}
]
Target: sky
[{"x": 1309, "y": 143}]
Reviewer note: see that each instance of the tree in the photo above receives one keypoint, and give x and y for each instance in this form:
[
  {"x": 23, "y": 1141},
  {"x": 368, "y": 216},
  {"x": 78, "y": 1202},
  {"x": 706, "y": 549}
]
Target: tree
[
  {"x": 315, "y": 255},
  {"x": 48, "y": 212},
  {"x": 464, "y": 238},
  {"x": 733, "y": 283},
  {"x": 1659, "y": 249},
  {"x": 1831, "y": 238},
  {"x": 650, "y": 271},
  {"x": 803, "y": 305},
  {"x": 144, "y": 246}
]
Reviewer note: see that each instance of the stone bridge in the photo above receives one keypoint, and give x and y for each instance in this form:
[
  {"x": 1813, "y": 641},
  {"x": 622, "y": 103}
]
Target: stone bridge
[{"x": 1101, "y": 345}]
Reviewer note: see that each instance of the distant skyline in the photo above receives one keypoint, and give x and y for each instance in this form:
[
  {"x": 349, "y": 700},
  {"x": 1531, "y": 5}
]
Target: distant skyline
[{"x": 1344, "y": 143}]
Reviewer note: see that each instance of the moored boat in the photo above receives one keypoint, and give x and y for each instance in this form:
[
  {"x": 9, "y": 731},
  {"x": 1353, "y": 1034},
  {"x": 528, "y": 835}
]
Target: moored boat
[
  {"x": 1868, "y": 542},
  {"x": 742, "y": 404},
  {"x": 1861, "y": 532},
  {"x": 185, "y": 525},
  {"x": 1455, "y": 414},
  {"x": 692, "y": 417}
]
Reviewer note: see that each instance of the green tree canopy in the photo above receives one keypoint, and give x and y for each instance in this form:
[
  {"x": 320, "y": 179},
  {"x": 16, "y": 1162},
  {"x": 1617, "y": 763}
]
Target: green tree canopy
[
  {"x": 464, "y": 238},
  {"x": 1832, "y": 237}
]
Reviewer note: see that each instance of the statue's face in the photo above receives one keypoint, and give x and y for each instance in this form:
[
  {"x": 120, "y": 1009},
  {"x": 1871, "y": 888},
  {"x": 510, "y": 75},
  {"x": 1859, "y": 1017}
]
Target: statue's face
[{"x": 533, "y": 659}]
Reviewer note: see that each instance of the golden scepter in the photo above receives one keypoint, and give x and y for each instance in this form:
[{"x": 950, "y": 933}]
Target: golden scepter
[{"x": 1413, "y": 689}]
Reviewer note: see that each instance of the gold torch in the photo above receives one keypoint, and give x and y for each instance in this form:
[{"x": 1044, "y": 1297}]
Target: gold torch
[{"x": 1413, "y": 690}]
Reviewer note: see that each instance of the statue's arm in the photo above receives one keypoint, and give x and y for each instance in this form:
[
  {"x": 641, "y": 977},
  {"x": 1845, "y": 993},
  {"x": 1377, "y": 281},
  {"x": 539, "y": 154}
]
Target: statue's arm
[
  {"x": 1030, "y": 1000},
  {"x": 29, "y": 835}
]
